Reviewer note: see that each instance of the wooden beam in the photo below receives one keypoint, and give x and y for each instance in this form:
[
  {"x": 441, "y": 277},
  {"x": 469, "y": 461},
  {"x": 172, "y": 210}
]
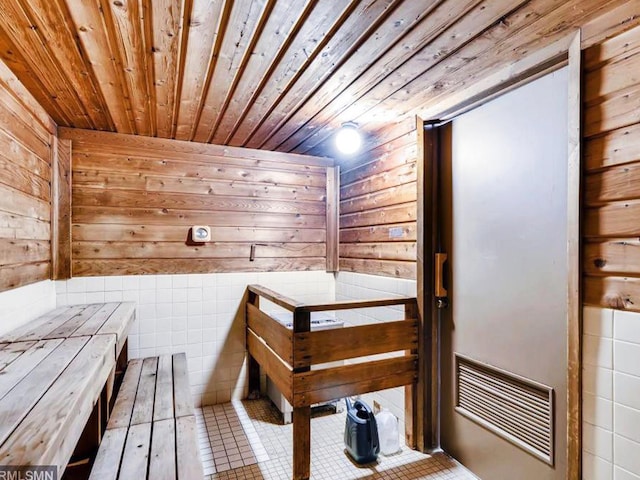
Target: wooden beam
[
  {"x": 277, "y": 370},
  {"x": 355, "y": 379},
  {"x": 333, "y": 218},
  {"x": 275, "y": 335},
  {"x": 61, "y": 210},
  {"x": 574, "y": 291},
  {"x": 324, "y": 346},
  {"x": 274, "y": 297},
  {"x": 301, "y": 415},
  {"x": 253, "y": 300}
]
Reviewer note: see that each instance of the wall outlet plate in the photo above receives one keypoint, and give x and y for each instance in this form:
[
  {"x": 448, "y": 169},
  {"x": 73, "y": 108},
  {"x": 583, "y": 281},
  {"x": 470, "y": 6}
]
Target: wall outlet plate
[{"x": 200, "y": 233}]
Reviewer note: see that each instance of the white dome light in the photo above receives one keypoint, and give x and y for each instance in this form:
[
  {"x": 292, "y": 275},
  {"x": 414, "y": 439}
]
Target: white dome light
[{"x": 348, "y": 139}]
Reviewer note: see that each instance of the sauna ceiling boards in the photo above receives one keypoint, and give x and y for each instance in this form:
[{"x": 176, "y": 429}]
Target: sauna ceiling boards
[{"x": 270, "y": 74}]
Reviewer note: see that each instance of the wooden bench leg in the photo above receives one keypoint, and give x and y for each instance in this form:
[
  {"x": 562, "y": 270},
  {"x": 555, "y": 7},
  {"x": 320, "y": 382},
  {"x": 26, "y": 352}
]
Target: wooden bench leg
[
  {"x": 301, "y": 443},
  {"x": 254, "y": 379}
]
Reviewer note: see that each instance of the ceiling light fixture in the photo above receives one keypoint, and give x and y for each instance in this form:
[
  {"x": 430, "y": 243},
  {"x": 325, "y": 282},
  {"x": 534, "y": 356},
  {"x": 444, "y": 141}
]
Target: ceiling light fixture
[{"x": 348, "y": 139}]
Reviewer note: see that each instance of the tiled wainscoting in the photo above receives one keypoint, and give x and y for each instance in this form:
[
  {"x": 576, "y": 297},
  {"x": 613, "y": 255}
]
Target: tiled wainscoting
[
  {"x": 611, "y": 387},
  {"x": 23, "y": 304},
  {"x": 197, "y": 314},
  {"x": 358, "y": 286}
]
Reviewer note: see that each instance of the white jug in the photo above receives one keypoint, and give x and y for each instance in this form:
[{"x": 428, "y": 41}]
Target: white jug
[{"x": 388, "y": 432}]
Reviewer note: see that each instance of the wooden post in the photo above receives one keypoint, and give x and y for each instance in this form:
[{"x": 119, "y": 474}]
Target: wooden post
[
  {"x": 301, "y": 415},
  {"x": 410, "y": 391},
  {"x": 61, "y": 210},
  {"x": 253, "y": 366},
  {"x": 333, "y": 218}
]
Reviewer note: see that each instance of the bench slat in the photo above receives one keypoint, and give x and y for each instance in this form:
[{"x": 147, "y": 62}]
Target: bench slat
[
  {"x": 27, "y": 361},
  {"x": 17, "y": 333},
  {"x": 143, "y": 406},
  {"x": 67, "y": 328},
  {"x": 115, "y": 325},
  {"x": 181, "y": 388},
  {"x": 67, "y": 406},
  {"x": 10, "y": 352},
  {"x": 121, "y": 414},
  {"x": 93, "y": 324},
  {"x": 163, "y": 406},
  {"x": 39, "y": 331},
  {"x": 162, "y": 463},
  {"x": 187, "y": 451},
  {"x": 19, "y": 401},
  {"x": 107, "y": 463},
  {"x": 136, "y": 452}
]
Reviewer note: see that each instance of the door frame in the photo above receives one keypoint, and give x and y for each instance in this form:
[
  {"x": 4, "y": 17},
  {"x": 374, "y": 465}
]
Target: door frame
[{"x": 561, "y": 53}]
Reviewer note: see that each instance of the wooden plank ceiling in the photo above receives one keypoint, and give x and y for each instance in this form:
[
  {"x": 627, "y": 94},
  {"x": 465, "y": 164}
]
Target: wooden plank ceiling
[{"x": 270, "y": 74}]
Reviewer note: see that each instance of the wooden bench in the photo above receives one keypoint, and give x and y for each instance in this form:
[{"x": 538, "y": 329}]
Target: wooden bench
[
  {"x": 152, "y": 430},
  {"x": 56, "y": 374}
]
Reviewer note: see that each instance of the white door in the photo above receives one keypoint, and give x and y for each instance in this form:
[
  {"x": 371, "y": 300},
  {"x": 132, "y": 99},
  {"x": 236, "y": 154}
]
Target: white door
[{"x": 505, "y": 204}]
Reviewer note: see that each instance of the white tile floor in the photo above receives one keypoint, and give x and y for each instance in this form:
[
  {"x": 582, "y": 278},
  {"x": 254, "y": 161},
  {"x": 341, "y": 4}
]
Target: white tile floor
[{"x": 246, "y": 440}]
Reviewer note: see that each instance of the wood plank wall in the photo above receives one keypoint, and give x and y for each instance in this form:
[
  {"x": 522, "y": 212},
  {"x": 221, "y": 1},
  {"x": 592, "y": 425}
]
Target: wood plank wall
[
  {"x": 612, "y": 179},
  {"x": 378, "y": 208},
  {"x": 26, "y": 137},
  {"x": 135, "y": 198}
]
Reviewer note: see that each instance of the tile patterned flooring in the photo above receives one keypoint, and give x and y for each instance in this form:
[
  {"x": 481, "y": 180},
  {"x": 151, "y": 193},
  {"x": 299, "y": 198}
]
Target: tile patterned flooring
[{"x": 246, "y": 440}]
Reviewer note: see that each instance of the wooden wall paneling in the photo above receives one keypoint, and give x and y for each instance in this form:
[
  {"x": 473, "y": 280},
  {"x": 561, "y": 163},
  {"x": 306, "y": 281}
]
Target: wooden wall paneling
[
  {"x": 384, "y": 268},
  {"x": 128, "y": 217},
  {"x": 26, "y": 139},
  {"x": 376, "y": 216},
  {"x": 378, "y": 209},
  {"x": 158, "y": 183},
  {"x": 379, "y": 233},
  {"x": 87, "y": 141},
  {"x": 618, "y": 147},
  {"x": 125, "y": 198},
  {"x": 333, "y": 218},
  {"x": 61, "y": 210},
  {"x": 404, "y": 193},
  {"x": 177, "y": 233},
  {"x": 189, "y": 266},
  {"x": 405, "y": 251},
  {"x": 109, "y": 250},
  {"x": 186, "y": 218},
  {"x": 388, "y": 179},
  {"x": 620, "y": 16}
]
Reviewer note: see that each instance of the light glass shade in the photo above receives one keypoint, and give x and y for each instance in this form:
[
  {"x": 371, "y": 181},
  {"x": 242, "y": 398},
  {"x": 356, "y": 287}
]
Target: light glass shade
[{"x": 348, "y": 139}]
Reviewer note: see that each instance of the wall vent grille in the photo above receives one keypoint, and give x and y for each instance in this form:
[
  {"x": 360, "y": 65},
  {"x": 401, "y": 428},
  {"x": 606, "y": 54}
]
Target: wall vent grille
[{"x": 515, "y": 408}]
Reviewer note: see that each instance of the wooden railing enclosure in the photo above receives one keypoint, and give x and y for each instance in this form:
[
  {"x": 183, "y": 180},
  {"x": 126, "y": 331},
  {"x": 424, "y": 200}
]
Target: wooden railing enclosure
[{"x": 287, "y": 356}]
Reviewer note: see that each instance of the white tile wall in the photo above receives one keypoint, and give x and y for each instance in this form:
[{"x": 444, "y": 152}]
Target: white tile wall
[
  {"x": 196, "y": 314},
  {"x": 611, "y": 395},
  {"x": 21, "y": 305},
  {"x": 357, "y": 286}
]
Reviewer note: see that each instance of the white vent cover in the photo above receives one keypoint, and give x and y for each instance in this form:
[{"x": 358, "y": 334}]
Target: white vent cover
[{"x": 515, "y": 408}]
